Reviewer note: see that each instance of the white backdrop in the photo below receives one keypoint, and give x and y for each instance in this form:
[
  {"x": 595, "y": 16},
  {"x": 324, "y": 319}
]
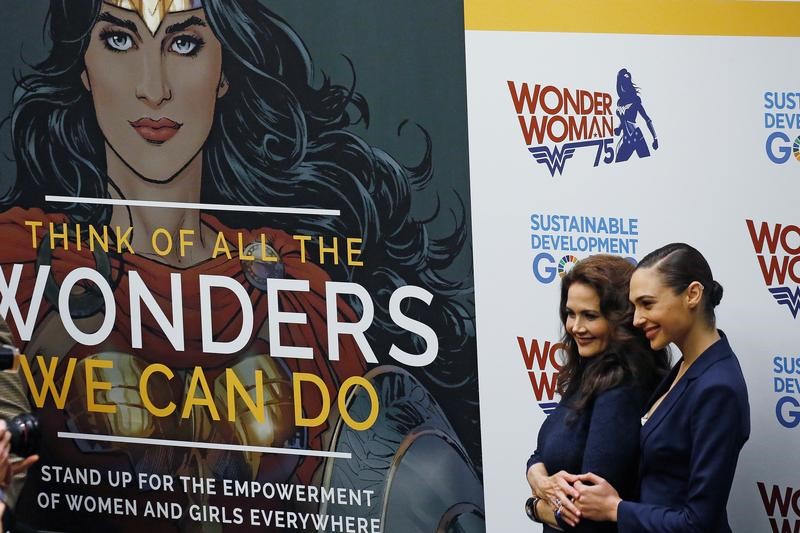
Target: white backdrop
[{"x": 705, "y": 96}]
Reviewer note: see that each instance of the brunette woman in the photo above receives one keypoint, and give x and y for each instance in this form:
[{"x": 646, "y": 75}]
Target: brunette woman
[
  {"x": 697, "y": 420},
  {"x": 608, "y": 373}
]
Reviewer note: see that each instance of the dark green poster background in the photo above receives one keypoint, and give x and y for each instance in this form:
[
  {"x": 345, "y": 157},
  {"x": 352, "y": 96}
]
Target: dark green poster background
[{"x": 380, "y": 133}]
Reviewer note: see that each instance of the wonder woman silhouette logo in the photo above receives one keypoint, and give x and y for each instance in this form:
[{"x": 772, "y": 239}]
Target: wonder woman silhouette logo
[{"x": 583, "y": 119}]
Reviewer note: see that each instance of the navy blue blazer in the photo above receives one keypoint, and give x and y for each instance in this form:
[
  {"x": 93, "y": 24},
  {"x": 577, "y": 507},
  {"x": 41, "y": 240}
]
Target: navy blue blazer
[
  {"x": 689, "y": 449},
  {"x": 604, "y": 439}
]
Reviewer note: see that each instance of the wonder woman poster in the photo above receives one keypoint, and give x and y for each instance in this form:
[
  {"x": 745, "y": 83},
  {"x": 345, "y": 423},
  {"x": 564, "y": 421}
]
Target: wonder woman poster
[{"x": 236, "y": 258}]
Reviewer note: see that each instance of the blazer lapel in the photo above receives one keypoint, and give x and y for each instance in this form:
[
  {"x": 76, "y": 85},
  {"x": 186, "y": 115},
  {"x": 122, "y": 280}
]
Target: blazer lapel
[
  {"x": 717, "y": 351},
  {"x": 662, "y": 387},
  {"x": 661, "y": 412}
]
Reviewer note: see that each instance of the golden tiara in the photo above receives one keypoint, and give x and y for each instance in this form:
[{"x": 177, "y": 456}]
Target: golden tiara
[{"x": 153, "y": 12}]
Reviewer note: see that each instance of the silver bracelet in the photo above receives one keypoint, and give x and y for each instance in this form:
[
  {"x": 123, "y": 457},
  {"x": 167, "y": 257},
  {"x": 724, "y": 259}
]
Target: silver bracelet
[{"x": 530, "y": 509}]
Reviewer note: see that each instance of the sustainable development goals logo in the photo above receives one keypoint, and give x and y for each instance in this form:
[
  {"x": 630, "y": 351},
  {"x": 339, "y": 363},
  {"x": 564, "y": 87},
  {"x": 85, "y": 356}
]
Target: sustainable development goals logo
[{"x": 782, "y": 122}]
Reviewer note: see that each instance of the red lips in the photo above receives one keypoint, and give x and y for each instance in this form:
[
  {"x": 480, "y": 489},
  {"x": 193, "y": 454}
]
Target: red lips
[{"x": 156, "y": 131}]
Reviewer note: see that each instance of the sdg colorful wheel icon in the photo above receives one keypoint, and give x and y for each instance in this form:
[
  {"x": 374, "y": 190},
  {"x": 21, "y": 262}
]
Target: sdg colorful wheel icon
[{"x": 566, "y": 264}]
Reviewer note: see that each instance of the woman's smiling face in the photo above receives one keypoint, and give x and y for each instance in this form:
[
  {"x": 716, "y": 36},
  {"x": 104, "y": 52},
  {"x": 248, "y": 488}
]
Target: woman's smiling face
[
  {"x": 659, "y": 311},
  {"x": 154, "y": 95},
  {"x": 585, "y": 322}
]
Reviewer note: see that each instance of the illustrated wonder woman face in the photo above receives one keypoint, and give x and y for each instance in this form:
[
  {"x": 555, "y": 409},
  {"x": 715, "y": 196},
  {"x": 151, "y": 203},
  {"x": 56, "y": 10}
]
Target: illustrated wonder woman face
[{"x": 154, "y": 71}]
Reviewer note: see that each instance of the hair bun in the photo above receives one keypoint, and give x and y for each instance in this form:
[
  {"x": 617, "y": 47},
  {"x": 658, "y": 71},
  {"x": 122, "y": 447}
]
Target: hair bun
[{"x": 716, "y": 293}]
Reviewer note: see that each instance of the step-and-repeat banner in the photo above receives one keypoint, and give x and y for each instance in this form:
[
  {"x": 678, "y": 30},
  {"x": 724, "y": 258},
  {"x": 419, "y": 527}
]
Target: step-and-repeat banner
[
  {"x": 235, "y": 256},
  {"x": 240, "y": 240},
  {"x": 617, "y": 127}
]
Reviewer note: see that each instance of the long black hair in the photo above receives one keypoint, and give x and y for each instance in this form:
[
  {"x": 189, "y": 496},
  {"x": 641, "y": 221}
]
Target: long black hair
[{"x": 277, "y": 139}]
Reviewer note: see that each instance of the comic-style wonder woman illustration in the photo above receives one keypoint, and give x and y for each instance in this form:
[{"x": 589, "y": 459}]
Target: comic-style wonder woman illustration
[{"x": 212, "y": 102}]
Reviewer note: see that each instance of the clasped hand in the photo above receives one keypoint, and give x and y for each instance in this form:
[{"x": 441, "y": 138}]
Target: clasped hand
[
  {"x": 558, "y": 491},
  {"x": 575, "y": 497}
]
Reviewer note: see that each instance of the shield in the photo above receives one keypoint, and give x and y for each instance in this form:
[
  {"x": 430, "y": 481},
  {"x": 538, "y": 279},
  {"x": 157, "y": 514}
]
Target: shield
[{"x": 411, "y": 459}]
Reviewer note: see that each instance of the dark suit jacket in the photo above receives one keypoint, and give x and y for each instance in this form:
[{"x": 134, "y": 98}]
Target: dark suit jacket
[
  {"x": 689, "y": 449},
  {"x": 603, "y": 439}
]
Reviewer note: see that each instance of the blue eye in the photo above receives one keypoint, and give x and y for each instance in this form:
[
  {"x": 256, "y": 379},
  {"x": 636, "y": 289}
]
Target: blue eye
[
  {"x": 118, "y": 41},
  {"x": 186, "y": 46}
]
